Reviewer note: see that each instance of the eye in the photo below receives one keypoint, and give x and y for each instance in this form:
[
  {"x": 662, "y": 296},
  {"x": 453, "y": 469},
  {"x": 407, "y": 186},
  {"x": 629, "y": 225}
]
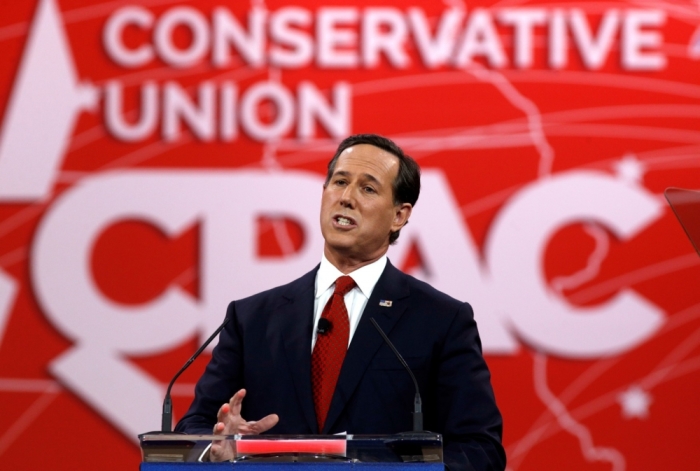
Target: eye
[{"x": 369, "y": 189}]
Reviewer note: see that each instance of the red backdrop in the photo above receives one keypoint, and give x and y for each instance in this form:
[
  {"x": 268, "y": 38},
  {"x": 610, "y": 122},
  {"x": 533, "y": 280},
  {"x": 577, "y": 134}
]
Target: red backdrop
[{"x": 160, "y": 159}]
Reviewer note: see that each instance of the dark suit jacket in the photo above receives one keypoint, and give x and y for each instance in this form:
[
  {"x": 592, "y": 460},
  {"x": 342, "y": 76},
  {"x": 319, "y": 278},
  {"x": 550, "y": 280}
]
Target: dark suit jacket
[{"x": 266, "y": 349}]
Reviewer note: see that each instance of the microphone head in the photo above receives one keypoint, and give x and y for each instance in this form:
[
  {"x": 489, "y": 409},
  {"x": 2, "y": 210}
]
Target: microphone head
[{"x": 324, "y": 326}]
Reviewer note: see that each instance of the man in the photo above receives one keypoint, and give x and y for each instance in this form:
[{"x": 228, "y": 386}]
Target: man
[{"x": 272, "y": 354}]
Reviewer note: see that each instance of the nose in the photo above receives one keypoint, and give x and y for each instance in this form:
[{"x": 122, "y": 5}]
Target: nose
[{"x": 346, "y": 198}]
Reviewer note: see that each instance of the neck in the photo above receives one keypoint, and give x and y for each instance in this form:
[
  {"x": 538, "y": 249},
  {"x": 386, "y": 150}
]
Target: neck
[{"x": 348, "y": 264}]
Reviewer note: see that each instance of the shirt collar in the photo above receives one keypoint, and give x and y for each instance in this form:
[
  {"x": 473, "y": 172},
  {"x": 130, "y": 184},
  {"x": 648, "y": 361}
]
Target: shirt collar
[{"x": 365, "y": 277}]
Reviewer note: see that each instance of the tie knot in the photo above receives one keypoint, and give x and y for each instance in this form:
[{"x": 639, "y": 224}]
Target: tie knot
[{"x": 343, "y": 285}]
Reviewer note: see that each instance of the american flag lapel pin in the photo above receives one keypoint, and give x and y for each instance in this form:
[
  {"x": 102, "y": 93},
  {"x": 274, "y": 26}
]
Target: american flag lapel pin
[{"x": 385, "y": 303}]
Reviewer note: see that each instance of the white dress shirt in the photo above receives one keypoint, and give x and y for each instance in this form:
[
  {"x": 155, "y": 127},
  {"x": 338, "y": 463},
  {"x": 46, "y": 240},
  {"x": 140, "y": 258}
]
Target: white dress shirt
[{"x": 355, "y": 300}]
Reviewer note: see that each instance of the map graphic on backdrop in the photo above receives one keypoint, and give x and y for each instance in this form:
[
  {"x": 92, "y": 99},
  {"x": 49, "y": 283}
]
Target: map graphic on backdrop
[{"x": 160, "y": 159}]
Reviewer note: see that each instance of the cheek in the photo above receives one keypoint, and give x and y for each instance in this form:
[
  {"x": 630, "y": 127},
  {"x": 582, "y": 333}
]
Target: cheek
[{"x": 325, "y": 202}]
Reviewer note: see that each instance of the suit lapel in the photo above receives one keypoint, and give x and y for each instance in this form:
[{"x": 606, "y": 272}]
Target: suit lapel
[
  {"x": 297, "y": 329},
  {"x": 392, "y": 286}
]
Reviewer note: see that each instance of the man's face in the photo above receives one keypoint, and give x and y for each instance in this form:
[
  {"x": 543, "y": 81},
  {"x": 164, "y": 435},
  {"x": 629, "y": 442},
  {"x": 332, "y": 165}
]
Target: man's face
[{"x": 357, "y": 209}]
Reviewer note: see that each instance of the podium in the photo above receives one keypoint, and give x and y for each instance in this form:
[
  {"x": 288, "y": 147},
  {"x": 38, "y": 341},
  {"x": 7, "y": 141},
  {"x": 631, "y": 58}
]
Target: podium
[{"x": 403, "y": 452}]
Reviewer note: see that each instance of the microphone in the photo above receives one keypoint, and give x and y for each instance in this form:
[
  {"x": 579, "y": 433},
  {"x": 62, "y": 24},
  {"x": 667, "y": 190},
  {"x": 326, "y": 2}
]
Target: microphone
[
  {"x": 324, "y": 326},
  {"x": 167, "y": 418},
  {"x": 417, "y": 403}
]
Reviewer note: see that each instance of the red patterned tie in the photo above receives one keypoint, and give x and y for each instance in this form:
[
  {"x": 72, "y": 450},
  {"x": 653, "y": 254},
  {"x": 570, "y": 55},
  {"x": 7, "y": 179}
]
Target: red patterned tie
[{"x": 329, "y": 352}]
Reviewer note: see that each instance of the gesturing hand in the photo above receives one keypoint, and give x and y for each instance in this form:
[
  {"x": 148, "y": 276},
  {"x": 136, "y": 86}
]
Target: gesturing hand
[{"x": 230, "y": 422}]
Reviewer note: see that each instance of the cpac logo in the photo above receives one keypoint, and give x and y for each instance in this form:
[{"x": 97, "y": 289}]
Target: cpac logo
[{"x": 511, "y": 295}]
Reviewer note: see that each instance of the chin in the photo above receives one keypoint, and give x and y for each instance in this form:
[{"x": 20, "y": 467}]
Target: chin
[{"x": 340, "y": 244}]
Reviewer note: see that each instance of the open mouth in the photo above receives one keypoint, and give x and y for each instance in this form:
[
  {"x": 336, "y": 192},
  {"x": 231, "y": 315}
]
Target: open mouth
[{"x": 344, "y": 221}]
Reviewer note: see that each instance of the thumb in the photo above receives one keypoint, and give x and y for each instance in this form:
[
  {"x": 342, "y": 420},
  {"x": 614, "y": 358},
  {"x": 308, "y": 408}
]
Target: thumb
[{"x": 264, "y": 424}]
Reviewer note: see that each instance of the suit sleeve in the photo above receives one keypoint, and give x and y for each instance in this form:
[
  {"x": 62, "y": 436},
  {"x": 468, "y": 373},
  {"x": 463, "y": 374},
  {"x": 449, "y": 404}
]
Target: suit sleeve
[
  {"x": 466, "y": 406},
  {"x": 221, "y": 379}
]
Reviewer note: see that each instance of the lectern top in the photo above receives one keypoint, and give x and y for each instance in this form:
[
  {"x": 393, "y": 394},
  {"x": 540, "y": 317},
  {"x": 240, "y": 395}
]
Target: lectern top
[{"x": 401, "y": 448}]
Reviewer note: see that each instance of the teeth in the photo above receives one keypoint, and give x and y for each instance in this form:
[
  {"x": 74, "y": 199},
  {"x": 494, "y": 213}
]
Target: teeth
[{"x": 344, "y": 221}]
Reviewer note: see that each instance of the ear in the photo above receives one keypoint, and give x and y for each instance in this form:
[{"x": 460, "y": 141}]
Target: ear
[{"x": 401, "y": 214}]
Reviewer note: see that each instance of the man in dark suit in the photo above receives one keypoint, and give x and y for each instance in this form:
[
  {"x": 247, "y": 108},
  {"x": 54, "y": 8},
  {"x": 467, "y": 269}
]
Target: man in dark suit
[{"x": 271, "y": 353}]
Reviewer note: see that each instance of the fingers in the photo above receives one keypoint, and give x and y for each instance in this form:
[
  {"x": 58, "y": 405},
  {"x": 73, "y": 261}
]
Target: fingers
[
  {"x": 219, "y": 428},
  {"x": 230, "y": 412},
  {"x": 266, "y": 423},
  {"x": 229, "y": 420},
  {"x": 220, "y": 451},
  {"x": 257, "y": 427},
  {"x": 223, "y": 412},
  {"x": 236, "y": 402}
]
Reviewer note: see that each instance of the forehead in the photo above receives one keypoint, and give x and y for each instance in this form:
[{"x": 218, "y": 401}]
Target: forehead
[{"x": 366, "y": 159}]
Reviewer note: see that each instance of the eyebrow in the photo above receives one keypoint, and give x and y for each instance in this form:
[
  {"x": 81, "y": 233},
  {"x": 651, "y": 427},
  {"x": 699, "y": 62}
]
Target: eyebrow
[{"x": 368, "y": 176}]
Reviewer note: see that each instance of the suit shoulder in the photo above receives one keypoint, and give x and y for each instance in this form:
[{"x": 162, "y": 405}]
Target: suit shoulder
[
  {"x": 422, "y": 291},
  {"x": 280, "y": 293}
]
